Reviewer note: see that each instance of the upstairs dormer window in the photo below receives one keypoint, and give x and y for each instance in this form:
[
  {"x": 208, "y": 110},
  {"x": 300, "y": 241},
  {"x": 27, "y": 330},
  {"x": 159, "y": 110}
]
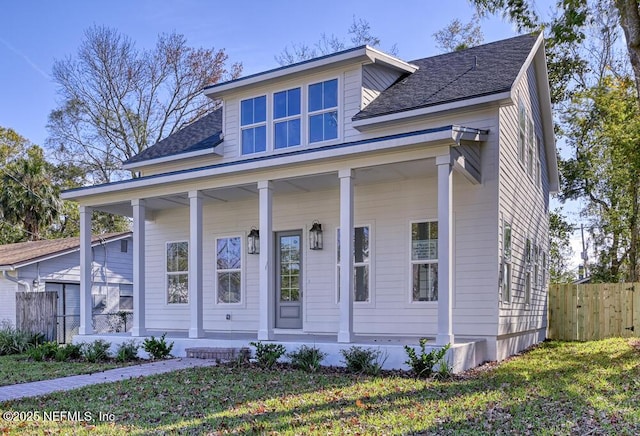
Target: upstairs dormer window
[
  {"x": 253, "y": 119},
  {"x": 286, "y": 115},
  {"x": 323, "y": 111}
]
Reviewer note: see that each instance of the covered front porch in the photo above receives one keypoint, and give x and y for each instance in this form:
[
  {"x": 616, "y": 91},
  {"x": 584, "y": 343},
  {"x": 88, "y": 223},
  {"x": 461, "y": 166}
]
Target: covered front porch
[{"x": 381, "y": 190}]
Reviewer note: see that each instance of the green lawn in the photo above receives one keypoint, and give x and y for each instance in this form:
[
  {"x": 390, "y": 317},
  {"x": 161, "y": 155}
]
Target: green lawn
[
  {"x": 557, "y": 388},
  {"x": 19, "y": 369}
]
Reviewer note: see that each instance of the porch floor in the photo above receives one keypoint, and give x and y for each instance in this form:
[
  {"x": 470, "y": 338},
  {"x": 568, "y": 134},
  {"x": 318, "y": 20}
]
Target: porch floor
[{"x": 465, "y": 353}]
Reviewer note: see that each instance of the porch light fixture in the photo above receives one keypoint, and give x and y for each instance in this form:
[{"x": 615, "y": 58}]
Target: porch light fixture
[
  {"x": 315, "y": 236},
  {"x": 253, "y": 241}
]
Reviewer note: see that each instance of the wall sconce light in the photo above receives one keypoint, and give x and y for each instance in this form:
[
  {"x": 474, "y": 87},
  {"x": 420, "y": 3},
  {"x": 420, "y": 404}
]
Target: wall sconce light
[
  {"x": 315, "y": 236},
  {"x": 253, "y": 241}
]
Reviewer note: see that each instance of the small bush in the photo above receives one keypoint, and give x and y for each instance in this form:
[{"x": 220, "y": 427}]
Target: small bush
[
  {"x": 422, "y": 365},
  {"x": 127, "y": 351},
  {"x": 68, "y": 352},
  {"x": 268, "y": 354},
  {"x": 96, "y": 351},
  {"x": 13, "y": 341},
  {"x": 363, "y": 360},
  {"x": 157, "y": 348},
  {"x": 307, "y": 358},
  {"x": 43, "y": 351}
]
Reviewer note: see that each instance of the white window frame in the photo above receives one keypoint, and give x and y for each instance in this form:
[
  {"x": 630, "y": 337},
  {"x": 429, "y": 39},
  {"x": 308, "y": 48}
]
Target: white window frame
[
  {"x": 506, "y": 273},
  {"x": 128, "y": 293},
  {"x": 167, "y": 273},
  {"x": 264, "y": 123},
  {"x": 538, "y": 164},
  {"x": 522, "y": 131},
  {"x": 419, "y": 262},
  {"x": 528, "y": 273},
  {"x": 271, "y": 115},
  {"x": 308, "y": 114},
  {"x": 531, "y": 138},
  {"x": 369, "y": 265},
  {"x": 242, "y": 239}
]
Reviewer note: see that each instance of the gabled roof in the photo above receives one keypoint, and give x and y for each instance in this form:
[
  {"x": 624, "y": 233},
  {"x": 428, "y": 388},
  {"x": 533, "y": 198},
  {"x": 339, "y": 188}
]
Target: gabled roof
[
  {"x": 479, "y": 71},
  {"x": 201, "y": 135},
  {"x": 21, "y": 254}
]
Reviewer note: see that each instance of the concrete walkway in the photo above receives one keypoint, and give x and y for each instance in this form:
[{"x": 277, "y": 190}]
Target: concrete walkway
[{"x": 34, "y": 389}]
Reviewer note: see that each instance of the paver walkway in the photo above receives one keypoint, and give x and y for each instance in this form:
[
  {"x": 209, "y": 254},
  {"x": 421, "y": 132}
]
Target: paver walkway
[{"x": 34, "y": 389}]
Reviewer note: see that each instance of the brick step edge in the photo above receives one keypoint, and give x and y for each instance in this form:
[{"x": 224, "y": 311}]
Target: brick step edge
[{"x": 220, "y": 354}]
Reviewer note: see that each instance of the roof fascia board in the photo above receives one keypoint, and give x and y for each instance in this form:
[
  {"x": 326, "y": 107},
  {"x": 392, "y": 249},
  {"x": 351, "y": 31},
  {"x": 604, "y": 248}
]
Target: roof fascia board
[
  {"x": 380, "y": 120},
  {"x": 393, "y": 62},
  {"x": 171, "y": 158},
  {"x": 442, "y": 134},
  {"x": 14, "y": 266}
]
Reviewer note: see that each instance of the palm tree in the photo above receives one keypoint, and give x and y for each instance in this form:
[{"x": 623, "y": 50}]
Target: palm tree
[{"x": 28, "y": 197}]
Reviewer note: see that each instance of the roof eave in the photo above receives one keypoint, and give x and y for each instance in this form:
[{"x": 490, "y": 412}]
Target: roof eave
[
  {"x": 132, "y": 166},
  {"x": 364, "y": 53},
  {"x": 364, "y": 124}
]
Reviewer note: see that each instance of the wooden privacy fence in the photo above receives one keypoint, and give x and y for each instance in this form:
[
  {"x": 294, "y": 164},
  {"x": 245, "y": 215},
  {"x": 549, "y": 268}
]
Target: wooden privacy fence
[
  {"x": 594, "y": 311},
  {"x": 36, "y": 312}
]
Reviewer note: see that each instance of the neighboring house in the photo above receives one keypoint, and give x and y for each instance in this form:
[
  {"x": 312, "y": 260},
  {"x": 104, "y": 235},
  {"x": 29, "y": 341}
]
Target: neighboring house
[
  {"x": 54, "y": 265},
  {"x": 433, "y": 174}
]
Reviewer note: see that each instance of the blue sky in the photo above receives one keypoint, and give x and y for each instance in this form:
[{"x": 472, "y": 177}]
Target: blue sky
[{"x": 35, "y": 33}]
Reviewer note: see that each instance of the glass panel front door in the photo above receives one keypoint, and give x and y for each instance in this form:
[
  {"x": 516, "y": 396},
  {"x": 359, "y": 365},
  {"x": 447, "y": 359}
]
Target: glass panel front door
[{"x": 289, "y": 280}]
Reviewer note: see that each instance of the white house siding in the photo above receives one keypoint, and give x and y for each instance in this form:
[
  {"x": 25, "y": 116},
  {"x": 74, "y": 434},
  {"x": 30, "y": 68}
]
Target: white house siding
[
  {"x": 523, "y": 203},
  {"x": 388, "y": 208},
  {"x": 375, "y": 79},
  {"x": 8, "y": 300}
]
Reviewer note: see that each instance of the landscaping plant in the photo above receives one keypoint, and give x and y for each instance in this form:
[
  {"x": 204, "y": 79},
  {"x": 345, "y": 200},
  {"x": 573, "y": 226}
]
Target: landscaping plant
[
  {"x": 268, "y": 354},
  {"x": 127, "y": 351},
  {"x": 157, "y": 348},
  {"x": 46, "y": 350},
  {"x": 13, "y": 341},
  {"x": 423, "y": 364},
  {"x": 96, "y": 351},
  {"x": 360, "y": 360},
  {"x": 68, "y": 352},
  {"x": 306, "y": 358}
]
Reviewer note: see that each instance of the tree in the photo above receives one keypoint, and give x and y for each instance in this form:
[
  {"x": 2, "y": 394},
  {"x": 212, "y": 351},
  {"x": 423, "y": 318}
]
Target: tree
[
  {"x": 28, "y": 197},
  {"x": 117, "y": 100},
  {"x": 560, "y": 231},
  {"x": 359, "y": 34},
  {"x": 458, "y": 36}
]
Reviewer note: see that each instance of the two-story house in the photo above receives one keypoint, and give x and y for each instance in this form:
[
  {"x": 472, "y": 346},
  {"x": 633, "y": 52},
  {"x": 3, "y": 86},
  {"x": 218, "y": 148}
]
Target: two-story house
[{"x": 432, "y": 175}]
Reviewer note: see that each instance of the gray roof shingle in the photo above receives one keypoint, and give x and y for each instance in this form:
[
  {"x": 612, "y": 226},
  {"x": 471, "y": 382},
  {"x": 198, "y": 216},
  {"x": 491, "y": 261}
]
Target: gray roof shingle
[
  {"x": 455, "y": 76},
  {"x": 199, "y": 135}
]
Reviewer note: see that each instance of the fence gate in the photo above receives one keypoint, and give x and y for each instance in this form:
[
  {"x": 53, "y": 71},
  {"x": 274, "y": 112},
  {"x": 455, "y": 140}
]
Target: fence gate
[
  {"x": 37, "y": 312},
  {"x": 594, "y": 311}
]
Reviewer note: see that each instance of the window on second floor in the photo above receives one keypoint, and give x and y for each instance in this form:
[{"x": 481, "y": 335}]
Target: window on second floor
[
  {"x": 323, "y": 111},
  {"x": 286, "y": 116},
  {"x": 253, "y": 119},
  {"x": 522, "y": 130}
]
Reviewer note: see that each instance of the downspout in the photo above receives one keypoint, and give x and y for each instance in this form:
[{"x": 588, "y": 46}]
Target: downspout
[{"x": 26, "y": 285}]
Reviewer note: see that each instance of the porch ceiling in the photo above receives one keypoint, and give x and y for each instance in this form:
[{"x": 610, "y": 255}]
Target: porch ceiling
[{"x": 315, "y": 182}]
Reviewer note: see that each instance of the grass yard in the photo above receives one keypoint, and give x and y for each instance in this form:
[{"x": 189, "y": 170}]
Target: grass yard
[
  {"x": 17, "y": 368},
  {"x": 557, "y": 388}
]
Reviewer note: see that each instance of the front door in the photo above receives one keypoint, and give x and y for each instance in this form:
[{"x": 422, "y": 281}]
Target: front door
[{"x": 289, "y": 280}]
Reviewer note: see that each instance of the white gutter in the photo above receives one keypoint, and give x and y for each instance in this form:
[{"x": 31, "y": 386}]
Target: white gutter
[{"x": 26, "y": 285}]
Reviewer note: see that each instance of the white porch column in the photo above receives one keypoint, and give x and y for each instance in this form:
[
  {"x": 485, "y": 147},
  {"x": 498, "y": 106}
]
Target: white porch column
[
  {"x": 267, "y": 265},
  {"x": 445, "y": 250},
  {"x": 345, "y": 331},
  {"x": 86, "y": 321},
  {"x": 139, "y": 216},
  {"x": 195, "y": 264}
]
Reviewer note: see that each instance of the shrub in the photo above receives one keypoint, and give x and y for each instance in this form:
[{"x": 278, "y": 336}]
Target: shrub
[
  {"x": 43, "y": 351},
  {"x": 307, "y": 358},
  {"x": 363, "y": 360},
  {"x": 422, "y": 365},
  {"x": 96, "y": 351},
  {"x": 268, "y": 354},
  {"x": 13, "y": 341},
  {"x": 127, "y": 351},
  {"x": 68, "y": 352},
  {"x": 157, "y": 348}
]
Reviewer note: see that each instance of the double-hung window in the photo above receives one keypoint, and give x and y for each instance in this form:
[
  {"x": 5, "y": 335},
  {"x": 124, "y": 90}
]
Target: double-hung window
[
  {"x": 323, "y": 111},
  {"x": 522, "y": 131},
  {"x": 177, "y": 272},
  {"x": 528, "y": 254},
  {"x": 506, "y": 263},
  {"x": 229, "y": 270},
  {"x": 531, "y": 143},
  {"x": 424, "y": 261},
  {"x": 253, "y": 122},
  {"x": 286, "y": 116},
  {"x": 361, "y": 260}
]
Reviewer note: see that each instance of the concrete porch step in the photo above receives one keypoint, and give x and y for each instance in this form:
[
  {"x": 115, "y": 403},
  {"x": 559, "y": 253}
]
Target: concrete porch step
[{"x": 218, "y": 353}]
